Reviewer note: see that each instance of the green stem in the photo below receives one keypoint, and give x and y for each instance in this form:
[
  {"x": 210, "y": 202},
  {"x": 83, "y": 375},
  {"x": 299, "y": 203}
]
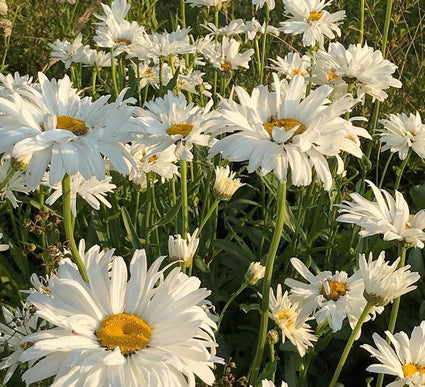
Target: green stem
[
  {"x": 13, "y": 170},
  {"x": 68, "y": 220},
  {"x": 280, "y": 221},
  {"x": 207, "y": 216},
  {"x": 386, "y": 26},
  {"x": 183, "y": 13},
  {"x": 183, "y": 182},
  {"x": 114, "y": 76},
  {"x": 400, "y": 173},
  {"x": 264, "y": 44},
  {"x": 228, "y": 303},
  {"x": 347, "y": 349},
  {"x": 385, "y": 169},
  {"x": 395, "y": 308},
  {"x": 361, "y": 27}
]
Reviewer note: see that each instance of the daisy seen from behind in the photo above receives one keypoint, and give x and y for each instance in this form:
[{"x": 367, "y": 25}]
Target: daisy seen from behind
[
  {"x": 285, "y": 132},
  {"x": 292, "y": 326},
  {"x": 403, "y": 358},
  {"x": 149, "y": 329},
  {"x": 331, "y": 297},
  {"x": 385, "y": 215},
  {"x": 402, "y": 132}
]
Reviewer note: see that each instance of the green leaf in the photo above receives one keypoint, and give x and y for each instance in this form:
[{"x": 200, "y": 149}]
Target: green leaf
[{"x": 129, "y": 227}]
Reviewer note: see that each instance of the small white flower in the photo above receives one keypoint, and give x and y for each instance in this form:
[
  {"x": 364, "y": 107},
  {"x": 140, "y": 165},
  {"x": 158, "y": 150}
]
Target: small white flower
[
  {"x": 402, "y": 132},
  {"x": 308, "y": 17},
  {"x": 68, "y": 52},
  {"x": 291, "y": 65},
  {"x": 293, "y": 326},
  {"x": 225, "y": 184},
  {"x": 172, "y": 120},
  {"x": 255, "y": 272},
  {"x": 3, "y": 247},
  {"x": 180, "y": 249},
  {"x": 331, "y": 297},
  {"x": 260, "y": 4},
  {"x": 386, "y": 215},
  {"x": 405, "y": 359},
  {"x": 226, "y": 57},
  {"x": 269, "y": 383},
  {"x": 18, "y": 324},
  {"x": 10, "y": 83},
  {"x": 149, "y": 328},
  {"x": 118, "y": 11},
  {"x": 15, "y": 181},
  {"x": 205, "y": 3},
  {"x": 384, "y": 282},
  {"x": 92, "y": 190}
]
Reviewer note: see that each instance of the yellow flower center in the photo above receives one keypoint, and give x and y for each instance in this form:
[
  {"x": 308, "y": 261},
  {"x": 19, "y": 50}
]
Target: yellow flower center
[
  {"x": 297, "y": 71},
  {"x": 286, "y": 123},
  {"x": 336, "y": 290},
  {"x": 410, "y": 369},
  {"x": 78, "y": 127},
  {"x": 226, "y": 67},
  {"x": 152, "y": 159},
  {"x": 124, "y": 42},
  {"x": 314, "y": 16},
  {"x": 127, "y": 331},
  {"x": 183, "y": 129},
  {"x": 332, "y": 76}
]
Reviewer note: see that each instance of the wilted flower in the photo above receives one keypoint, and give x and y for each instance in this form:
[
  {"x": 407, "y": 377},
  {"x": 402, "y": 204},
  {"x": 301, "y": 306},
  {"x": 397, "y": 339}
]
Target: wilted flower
[
  {"x": 3, "y": 247},
  {"x": 225, "y": 184}
]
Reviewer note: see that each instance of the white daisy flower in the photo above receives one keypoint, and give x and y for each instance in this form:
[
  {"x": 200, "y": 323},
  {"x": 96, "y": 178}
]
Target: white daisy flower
[
  {"x": 260, "y": 4},
  {"x": 308, "y": 17},
  {"x": 54, "y": 128},
  {"x": 11, "y": 181},
  {"x": 162, "y": 163},
  {"x": 384, "y": 282},
  {"x": 225, "y": 184},
  {"x": 184, "y": 250},
  {"x": 68, "y": 52},
  {"x": 282, "y": 130},
  {"x": 291, "y": 65},
  {"x": 10, "y": 83},
  {"x": 331, "y": 297},
  {"x": 205, "y": 3},
  {"x": 269, "y": 383},
  {"x": 293, "y": 326},
  {"x": 225, "y": 55},
  {"x": 18, "y": 324},
  {"x": 402, "y": 132},
  {"x": 121, "y": 36},
  {"x": 194, "y": 83},
  {"x": 160, "y": 45},
  {"x": 366, "y": 67},
  {"x": 254, "y": 27},
  {"x": 405, "y": 359},
  {"x": 3, "y": 246},
  {"x": 149, "y": 329},
  {"x": 96, "y": 58},
  {"x": 92, "y": 190},
  {"x": 118, "y": 11},
  {"x": 386, "y": 215},
  {"x": 171, "y": 120},
  {"x": 235, "y": 27}
]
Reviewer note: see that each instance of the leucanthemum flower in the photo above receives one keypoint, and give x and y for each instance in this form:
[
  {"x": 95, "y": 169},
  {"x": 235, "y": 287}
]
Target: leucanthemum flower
[
  {"x": 225, "y": 184},
  {"x": 260, "y": 4},
  {"x": 11, "y": 180},
  {"x": 10, "y": 83},
  {"x": 404, "y": 359},
  {"x": 386, "y": 215},
  {"x": 3, "y": 246},
  {"x": 225, "y": 55},
  {"x": 384, "y": 281},
  {"x": 53, "y": 128},
  {"x": 282, "y": 131},
  {"x": 92, "y": 190},
  {"x": 205, "y": 3},
  {"x": 255, "y": 273},
  {"x": 362, "y": 65},
  {"x": 403, "y": 132},
  {"x": 293, "y": 326},
  {"x": 291, "y": 65},
  {"x": 149, "y": 329},
  {"x": 162, "y": 163},
  {"x": 183, "y": 250},
  {"x": 118, "y": 11},
  {"x": 269, "y": 383},
  {"x": 331, "y": 297},
  {"x": 308, "y": 17},
  {"x": 68, "y": 52},
  {"x": 18, "y": 324},
  {"x": 172, "y": 120}
]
